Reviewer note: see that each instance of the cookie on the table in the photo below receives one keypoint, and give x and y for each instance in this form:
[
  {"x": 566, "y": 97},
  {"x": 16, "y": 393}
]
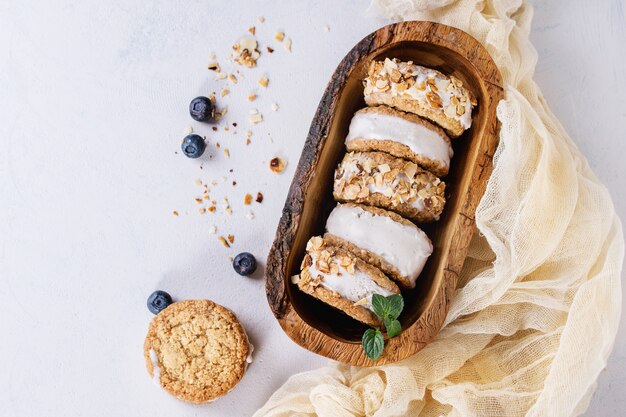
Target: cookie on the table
[
  {"x": 381, "y": 238},
  {"x": 424, "y": 91},
  {"x": 341, "y": 280},
  {"x": 382, "y": 180},
  {"x": 196, "y": 350},
  {"x": 400, "y": 134}
]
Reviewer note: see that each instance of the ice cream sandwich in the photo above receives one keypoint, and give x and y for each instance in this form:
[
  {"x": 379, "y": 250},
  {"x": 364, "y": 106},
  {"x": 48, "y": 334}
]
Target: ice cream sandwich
[
  {"x": 424, "y": 91},
  {"x": 342, "y": 280},
  {"x": 381, "y": 238},
  {"x": 400, "y": 134},
  {"x": 381, "y": 180}
]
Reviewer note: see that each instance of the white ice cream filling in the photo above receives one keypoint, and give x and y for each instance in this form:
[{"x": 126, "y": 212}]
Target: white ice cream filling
[
  {"x": 417, "y": 137},
  {"x": 405, "y": 247},
  {"x": 354, "y": 287}
]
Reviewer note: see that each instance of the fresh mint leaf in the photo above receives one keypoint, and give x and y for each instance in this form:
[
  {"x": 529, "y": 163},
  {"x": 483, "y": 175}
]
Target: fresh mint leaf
[
  {"x": 395, "y": 304},
  {"x": 387, "y": 308},
  {"x": 393, "y": 328},
  {"x": 379, "y": 304},
  {"x": 373, "y": 343}
]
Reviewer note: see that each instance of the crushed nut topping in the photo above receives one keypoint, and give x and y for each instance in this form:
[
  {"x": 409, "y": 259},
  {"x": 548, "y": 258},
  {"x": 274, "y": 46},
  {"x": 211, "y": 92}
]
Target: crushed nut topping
[
  {"x": 245, "y": 52},
  {"x": 259, "y": 197},
  {"x": 247, "y": 199},
  {"x": 264, "y": 81},
  {"x": 277, "y": 165},
  {"x": 223, "y": 241},
  {"x": 279, "y": 36}
]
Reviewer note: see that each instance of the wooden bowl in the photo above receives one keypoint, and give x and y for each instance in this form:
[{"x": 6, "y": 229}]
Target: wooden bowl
[{"x": 317, "y": 326}]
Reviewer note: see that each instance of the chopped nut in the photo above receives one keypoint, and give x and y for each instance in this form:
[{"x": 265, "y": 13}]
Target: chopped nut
[
  {"x": 250, "y": 215},
  {"x": 259, "y": 197},
  {"x": 198, "y": 200},
  {"x": 232, "y": 78},
  {"x": 274, "y": 106},
  {"x": 255, "y": 118},
  {"x": 221, "y": 75},
  {"x": 247, "y": 141},
  {"x": 288, "y": 44},
  {"x": 214, "y": 66},
  {"x": 252, "y": 30},
  {"x": 295, "y": 279},
  {"x": 226, "y": 152},
  {"x": 202, "y": 210},
  {"x": 277, "y": 165},
  {"x": 245, "y": 52},
  {"x": 198, "y": 182},
  {"x": 363, "y": 301},
  {"x": 264, "y": 81},
  {"x": 231, "y": 238},
  {"x": 279, "y": 36},
  {"x": 225, "y": 92},
  {"x": 175, "y": 213},
  {"x": 211, "y": 209},
  {"x": 261, "y": 19},
  {"x": 252, "y": 97},
  {"x": 212, "y": 230},
  {"x": 223, "y": 241},
  {"x": 270, "y": 49},
  {"x": 188, "y": 130},
  {"x": 247, "y": 199}
]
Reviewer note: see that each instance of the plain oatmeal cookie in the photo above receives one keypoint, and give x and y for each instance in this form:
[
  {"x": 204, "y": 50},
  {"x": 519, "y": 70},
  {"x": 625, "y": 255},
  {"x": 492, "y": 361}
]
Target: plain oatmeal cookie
[{"x": 196, "y": 350}]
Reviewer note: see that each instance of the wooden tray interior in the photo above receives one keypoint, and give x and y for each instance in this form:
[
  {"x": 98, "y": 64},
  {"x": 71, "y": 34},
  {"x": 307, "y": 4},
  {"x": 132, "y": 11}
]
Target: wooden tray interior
[{"x": 319, "y": 201}]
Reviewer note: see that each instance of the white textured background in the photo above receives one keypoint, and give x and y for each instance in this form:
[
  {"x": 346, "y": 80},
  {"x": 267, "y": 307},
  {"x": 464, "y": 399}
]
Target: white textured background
[{"x": 93, "y": 102}]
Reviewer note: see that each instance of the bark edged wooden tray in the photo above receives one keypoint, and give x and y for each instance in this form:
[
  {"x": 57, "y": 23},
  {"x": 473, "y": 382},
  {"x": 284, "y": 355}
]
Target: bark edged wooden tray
[{"x": 313, "y": 324}]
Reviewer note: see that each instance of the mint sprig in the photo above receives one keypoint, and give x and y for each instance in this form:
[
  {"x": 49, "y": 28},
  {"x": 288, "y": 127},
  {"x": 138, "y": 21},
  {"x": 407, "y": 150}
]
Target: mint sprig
[{"x": 388, "y": 309}]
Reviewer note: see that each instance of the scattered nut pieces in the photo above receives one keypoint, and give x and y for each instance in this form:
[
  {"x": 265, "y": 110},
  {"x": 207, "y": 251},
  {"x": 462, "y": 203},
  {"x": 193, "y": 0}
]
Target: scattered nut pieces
[
  {"x": 175, "y": 213},
  {"x": 255, "y": 118},
  {"x": 274, "y": 107},
  {"x": 226, "y": 152},
  {"x": 232, "y": 78},
  {"x": 270, "y": 49},
  {"x": 221, "y": 75},
  {"x": 295, "y": 279},
  {"x": 198, "y": 200},
  {"x": 231, "y": 239},
  {"x": 250, "y": 215},
  {"x": 214, "y": 66},
  {"x": 212, "y": 230},
  {"x": 259, "y": 197},
  {"x": 288, "y": 44},
  {"x": 252, "y": 97},
  {"x": 198, "y": 182},
  {"x": 264, "y": 81},
  {"x": 279, "y": 36},
  {"x": 225, "y": 92},
  {"x": 247, "y": 199},
  {"x": 277, "y": 165},
  {"x": 252, "y": 30},
  {"x": 223, "y": 241},
  {"x": 261, "y": 19},
  {"x": 202, "y": 210},
  {"x": 245, "y": 52}
]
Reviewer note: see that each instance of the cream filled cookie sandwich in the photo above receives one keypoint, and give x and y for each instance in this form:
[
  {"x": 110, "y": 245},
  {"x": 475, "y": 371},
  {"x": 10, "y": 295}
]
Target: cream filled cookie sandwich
[
  {"x": 381, "y": 180},
  {"x": 424, "y": 91},
  {"x": 381, "y": 238},
  {"x": 400, "y": 134},
  {"x": 196, "y": 350},
  {"x": 342, "y": 280}
]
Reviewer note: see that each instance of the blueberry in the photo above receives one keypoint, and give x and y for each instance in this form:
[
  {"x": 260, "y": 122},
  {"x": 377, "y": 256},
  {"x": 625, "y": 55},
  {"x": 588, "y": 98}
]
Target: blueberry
[
  {"x": 244, "y": 264},
  {"x": 158, "y": 300},
  {"x": 193, "y": 146},
  {"x": 202, "y": 109}
]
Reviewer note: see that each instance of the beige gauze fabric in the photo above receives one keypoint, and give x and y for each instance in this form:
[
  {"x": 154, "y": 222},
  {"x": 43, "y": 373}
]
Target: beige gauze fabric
[{"x": 537, "y": 309}]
